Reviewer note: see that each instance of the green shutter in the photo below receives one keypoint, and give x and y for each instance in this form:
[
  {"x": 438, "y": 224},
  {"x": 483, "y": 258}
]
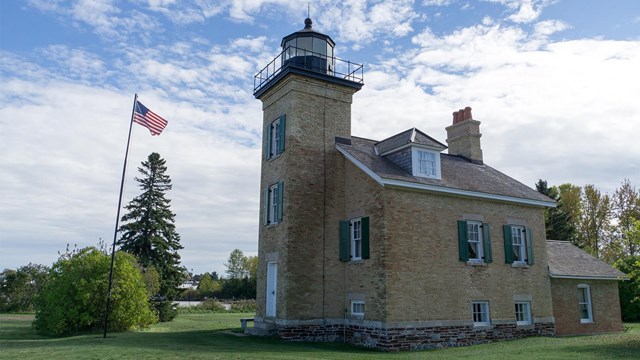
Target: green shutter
[
  {"x": 529, "y": 246},
  {"x": 267, "y": 131},
  {"x": 265, "y": 198},
  {"x": 486, "y": 241},
  {"x": 280, "y": 191},
  {"x": 508, "y": 241},
  {"x": 344, "y": 240},
  {"x": 365, "y": 237},
  {"x": 463, "y": 240},
  {"x": 281, "y": 134}
]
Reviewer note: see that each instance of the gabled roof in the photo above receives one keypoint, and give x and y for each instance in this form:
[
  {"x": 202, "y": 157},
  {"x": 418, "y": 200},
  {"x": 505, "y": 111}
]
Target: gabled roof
[
  {"x": 567, "y": 261},
  {"x": 411, "y": 136},
  {"x": 459, "y": 176}
]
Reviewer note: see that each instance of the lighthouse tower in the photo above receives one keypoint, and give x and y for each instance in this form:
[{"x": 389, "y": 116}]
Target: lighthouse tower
[{"x": 306, "y": 95}]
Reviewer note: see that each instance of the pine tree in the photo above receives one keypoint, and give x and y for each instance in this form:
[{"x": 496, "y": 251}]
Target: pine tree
[
  {"x": 557, "y": 220},
  {"x": 149, "y": 232}
]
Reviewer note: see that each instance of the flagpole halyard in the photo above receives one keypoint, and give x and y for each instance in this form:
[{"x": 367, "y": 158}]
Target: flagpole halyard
[{"x": 115, "y": 232}]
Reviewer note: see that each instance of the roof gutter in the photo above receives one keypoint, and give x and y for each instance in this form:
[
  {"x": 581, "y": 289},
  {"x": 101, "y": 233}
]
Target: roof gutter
[
  {"x": 440, "y": 189},
  {"x": 586, "y": 277}
]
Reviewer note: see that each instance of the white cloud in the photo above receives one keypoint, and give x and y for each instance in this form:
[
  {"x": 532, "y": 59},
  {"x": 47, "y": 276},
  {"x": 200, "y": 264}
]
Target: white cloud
[
  {"x": 549, "y": 27},
  {"x": 365, "y": 23},
  {"x": 103, "y": 16},
  {"x": 438, "y": 2},
  {"x": 76, "y": 62},
  {"x": 524, "y": 11},
  {"x": 563, "y": 109}
]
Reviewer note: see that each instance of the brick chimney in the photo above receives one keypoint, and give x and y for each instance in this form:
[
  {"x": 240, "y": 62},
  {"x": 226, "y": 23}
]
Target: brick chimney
[{"x": 463, "y": 137}]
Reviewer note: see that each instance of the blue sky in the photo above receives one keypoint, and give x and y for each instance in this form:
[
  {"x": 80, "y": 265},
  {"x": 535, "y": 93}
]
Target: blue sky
[{"x": 555, "y": 84}]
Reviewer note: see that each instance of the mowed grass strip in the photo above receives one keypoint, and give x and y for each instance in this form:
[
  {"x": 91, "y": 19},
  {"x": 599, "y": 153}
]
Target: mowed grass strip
[{"x": 212, "y": 336}]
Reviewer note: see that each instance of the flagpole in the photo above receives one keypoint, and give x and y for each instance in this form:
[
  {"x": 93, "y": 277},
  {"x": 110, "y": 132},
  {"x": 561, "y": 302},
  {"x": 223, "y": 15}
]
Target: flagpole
[{"x": 115, "y": 232}]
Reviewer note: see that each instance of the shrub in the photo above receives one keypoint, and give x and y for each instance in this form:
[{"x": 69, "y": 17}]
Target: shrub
[
  {"x": 166, "y": 310},
  {"x": 244, "y": 306},
  {"x": 629, "y": 289},
  {"x": 74, "y": 298}
]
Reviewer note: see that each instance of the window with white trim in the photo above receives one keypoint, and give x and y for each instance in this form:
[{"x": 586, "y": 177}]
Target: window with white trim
[
  {"x": 273, "y": 203},
  {"x": 275, "y": 136},
  {"x": 518, "y": 244},
  {"x": 272, "y": 200},
  {"x": 357, "y": 307},
  {"x": 481, "y": 313},
  {"x": 425, "y": 163},
  {"x": 356, "y": 239},
  {"x": 584, "y": 302},
  {"x": 474, "y": 238},
  {"x": 523, "y": 313},
  {"x": 274, "y": 141}
]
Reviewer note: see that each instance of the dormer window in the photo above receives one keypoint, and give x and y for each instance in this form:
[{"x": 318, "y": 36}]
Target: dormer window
[{"x": 426, "y": 163}]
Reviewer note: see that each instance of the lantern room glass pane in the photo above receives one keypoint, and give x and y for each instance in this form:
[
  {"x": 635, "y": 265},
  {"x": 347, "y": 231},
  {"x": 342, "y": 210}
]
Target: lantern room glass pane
[
  {"x": 290, "y": 49},
  {"x": 319, "y": 47},
  {"x": 304, "y": 43}
]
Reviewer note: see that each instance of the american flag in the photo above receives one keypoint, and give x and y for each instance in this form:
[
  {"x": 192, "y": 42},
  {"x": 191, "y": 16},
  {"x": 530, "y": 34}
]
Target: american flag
[{"x": 147, "y": 118}]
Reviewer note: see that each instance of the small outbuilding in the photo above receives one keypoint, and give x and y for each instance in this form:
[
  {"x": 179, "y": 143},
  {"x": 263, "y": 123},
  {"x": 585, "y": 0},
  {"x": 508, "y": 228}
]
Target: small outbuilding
[{"x": 584, "y": 291}]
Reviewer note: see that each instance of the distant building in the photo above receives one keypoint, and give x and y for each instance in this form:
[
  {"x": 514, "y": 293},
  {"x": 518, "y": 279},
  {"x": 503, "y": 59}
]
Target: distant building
[
  {"x": 189, "y": 284},
  {"x": 395, "y": 244}
]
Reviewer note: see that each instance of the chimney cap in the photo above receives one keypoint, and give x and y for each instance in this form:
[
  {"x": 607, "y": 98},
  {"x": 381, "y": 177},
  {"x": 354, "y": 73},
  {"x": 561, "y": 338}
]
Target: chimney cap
[{"x": 462, "y": 114}]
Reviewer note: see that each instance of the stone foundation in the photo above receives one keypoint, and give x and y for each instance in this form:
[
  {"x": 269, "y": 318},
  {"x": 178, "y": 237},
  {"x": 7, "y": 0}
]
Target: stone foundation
[{"x": 412, "y": 338}]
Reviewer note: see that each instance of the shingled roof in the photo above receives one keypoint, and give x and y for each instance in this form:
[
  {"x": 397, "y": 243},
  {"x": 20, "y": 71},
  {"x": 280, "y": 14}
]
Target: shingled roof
[
  {"x": 459, "y": 175},
  {"x": 570, "y": 262},
  {"x": 411, "y": 136}
]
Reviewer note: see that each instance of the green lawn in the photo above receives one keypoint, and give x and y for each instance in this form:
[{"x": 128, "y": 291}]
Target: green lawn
[{"x": 207, "y": 336}]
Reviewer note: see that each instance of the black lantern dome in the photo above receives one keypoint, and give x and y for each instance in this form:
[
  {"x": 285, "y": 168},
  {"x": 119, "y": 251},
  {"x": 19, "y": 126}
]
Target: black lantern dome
[
  {"x": 308, "y": 53},
  {"x": 308, "y": 49}
]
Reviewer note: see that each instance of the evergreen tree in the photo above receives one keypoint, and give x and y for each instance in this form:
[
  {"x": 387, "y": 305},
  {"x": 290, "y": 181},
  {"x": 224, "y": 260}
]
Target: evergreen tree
[
  {"x": 557, "y": 220},
  {"x": 149, "y": 232}
]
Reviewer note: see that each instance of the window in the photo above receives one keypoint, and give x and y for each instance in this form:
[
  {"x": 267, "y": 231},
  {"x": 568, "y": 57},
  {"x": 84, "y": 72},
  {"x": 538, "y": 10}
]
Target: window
[
  {"x": 474, "y": 241},
  {"x": 425, "y": 163},
  {"x": 518, "y": 245},
  {"x": 272, "y": 198},
  {"x": 584, "y": 301},
  {"x": 354, "y": 239},
  {"x": 481, "y": 313},
  {"x": 274, "y": 133},
  {"x": 357, "y": 307},
  {"x": 273, "y": 203},
  {"x": 523, "y": 313}
]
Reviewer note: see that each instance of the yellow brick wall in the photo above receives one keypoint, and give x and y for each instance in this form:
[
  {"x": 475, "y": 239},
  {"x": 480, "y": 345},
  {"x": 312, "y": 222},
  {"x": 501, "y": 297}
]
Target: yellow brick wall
[{"x": 605, "y": 305}]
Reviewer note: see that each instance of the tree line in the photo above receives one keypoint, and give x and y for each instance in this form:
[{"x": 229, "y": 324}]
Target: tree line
[
  {"x": 606, "y": 226},
  {"x": 240, "y": 283}
]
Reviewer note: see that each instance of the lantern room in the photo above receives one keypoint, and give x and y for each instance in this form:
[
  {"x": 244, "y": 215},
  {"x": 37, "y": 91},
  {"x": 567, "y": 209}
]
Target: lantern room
[
  {"x": 309, "y": 53},
  {"x": 309, "y": 49}
]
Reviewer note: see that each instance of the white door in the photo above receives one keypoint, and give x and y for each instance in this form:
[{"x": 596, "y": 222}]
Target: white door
[{"x": 272, "y": 277}]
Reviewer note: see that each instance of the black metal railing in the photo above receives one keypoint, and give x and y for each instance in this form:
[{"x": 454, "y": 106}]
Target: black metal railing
[{"x": 312, "y": 61}]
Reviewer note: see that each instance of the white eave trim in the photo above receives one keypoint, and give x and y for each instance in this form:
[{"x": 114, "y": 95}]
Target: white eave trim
[
  {"x": 440, "y": 189},
  {"x": 586, "y": 277},
  {"x": 360, "y": 165}
]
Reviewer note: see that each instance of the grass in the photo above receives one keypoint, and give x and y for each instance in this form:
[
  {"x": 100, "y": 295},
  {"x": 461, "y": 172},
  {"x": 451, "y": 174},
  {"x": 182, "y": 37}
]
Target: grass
[{"x": 208, "y": 336}]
